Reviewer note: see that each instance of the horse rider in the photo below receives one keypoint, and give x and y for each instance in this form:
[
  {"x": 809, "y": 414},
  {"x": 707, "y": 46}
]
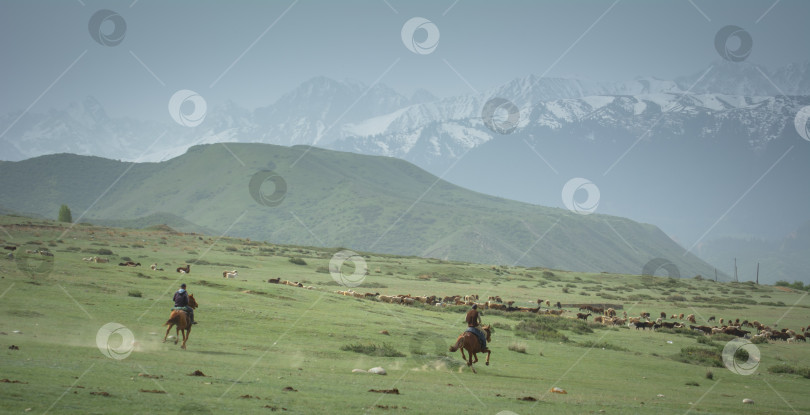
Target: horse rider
[
  {"x": 473, "y": 321},
  {"x": 181, "y": 302}
]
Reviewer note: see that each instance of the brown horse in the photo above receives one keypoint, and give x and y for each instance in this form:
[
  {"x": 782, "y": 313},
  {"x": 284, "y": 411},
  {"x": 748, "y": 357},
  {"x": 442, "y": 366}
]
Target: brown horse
[
  {"x": 470, "y": 341},
  {"x": 180, "y": 319}
]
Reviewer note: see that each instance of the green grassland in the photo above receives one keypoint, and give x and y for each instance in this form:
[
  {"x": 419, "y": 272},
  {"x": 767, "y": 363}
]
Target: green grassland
[{"x": 256, "y": 339}]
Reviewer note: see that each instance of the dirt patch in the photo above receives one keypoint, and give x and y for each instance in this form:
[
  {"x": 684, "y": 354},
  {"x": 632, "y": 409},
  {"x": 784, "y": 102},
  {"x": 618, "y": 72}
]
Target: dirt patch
[
  {"x": 394, "y": 391},
  {"x": 12, "y": 381},
  {"x": 13, "y": 347},
  {"x": 148, "y": 376},
  {"x": 249, "y": 397},
  {"x": 289, "y": 389},
  {"x": 100, "y": 393},
  {"x": 152, "y": 391},
  {"x": 196, "y": 373},
  {"x": 527, "y": 399},
  {"x": 274, "y": 408}
]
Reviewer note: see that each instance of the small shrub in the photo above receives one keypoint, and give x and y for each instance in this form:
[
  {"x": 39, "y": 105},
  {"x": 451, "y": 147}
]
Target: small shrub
[
  {"x": 298, "y": 261},
  {"x": 104, "y": 251},
  {"x": 322, "y": 270},
  {"x": 503, "y": 326},
  {"x": 692, "y": 383},
  {"x": 520, "y": 348},
  {"x": 758, "y": 340},
  {"x": 134, "y": 293},
  {"x": 701, "y": 356},
  {"x": 709, "y": 375},
  {"x": 676, "y": 297},
  {"x": 231, "y": 248},
  {"x": 383, "y": 350},
  {"x": 565, "y": 290},
  {"x": 602, "y": 345},
  {"x": 126, "y": 258},
  {"x": 790, "y": 369}
]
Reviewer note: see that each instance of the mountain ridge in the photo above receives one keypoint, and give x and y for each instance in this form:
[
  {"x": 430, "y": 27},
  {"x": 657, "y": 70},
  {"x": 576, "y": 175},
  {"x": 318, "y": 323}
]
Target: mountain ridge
[{"x": 361, "y": 202}]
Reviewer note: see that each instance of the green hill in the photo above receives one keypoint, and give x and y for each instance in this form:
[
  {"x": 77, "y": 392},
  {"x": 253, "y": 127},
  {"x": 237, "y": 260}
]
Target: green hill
[{"x": 334, "y": 199}]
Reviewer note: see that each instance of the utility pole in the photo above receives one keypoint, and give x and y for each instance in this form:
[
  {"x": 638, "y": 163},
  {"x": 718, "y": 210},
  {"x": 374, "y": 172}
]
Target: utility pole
[
  {"x": 715, "y": 275},
  {"x": 735, "y": 271},
  {"x": 757, "y": 273}
]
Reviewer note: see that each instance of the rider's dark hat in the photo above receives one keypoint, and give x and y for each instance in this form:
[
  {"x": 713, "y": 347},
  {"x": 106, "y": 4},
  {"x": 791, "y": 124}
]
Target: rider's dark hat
[
  {"x": 475, "y": 305},
  {"x": 182, "y": 285}
]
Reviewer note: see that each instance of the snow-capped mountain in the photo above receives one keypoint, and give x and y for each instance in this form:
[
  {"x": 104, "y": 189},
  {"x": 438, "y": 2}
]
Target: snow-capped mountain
[{"x": 349, "y": 115}]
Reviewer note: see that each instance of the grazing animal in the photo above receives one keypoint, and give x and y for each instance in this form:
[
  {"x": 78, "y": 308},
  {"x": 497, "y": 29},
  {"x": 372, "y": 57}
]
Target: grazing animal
[
  {"x": 674, "y": 316},
  {"x": 129, "y": 264},
  {"x": 663, "y": 315},
  {"x": 154, "y": 267},
  {"x": 98, "y": 260},
  {"x": 680, "y": 316},
  {"x": 184, "y": 270},
  {"x": 711, "y": 318},
  {"x": 583, "y": 316},
  {"x": 470, "y": 342},
  {"x": 559, "y": 306},
  {"x": 230, "y": 274},
  {"x": 704, "y": 329},
  {"x": 180, "y": 319},
  {"x": 10, "y": 248},
  {"x": 274, "y": 280},
  {"x": 691, "y": 318},
  {"x": 645, "y": 314},
  {"x": 644, "y": 325}
]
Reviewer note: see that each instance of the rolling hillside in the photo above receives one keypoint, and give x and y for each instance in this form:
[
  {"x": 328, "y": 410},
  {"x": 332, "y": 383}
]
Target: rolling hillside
[{"x": 335, "y": 199}]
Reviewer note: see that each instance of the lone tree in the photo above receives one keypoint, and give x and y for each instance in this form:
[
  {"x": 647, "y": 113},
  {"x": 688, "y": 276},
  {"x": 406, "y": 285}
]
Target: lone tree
[{"x": 64, "y": 214}]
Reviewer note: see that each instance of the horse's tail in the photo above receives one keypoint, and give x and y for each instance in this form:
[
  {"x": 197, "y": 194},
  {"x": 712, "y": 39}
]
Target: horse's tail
[
  {"x": 459, "y": 344},
  {"x": 173, "y": 319}
]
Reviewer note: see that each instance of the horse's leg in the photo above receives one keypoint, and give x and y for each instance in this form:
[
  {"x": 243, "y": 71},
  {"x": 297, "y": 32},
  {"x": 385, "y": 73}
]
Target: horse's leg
[
  {"x": 186, "y": 333},
  {"x": 469, "y": 360},
  {"x": 488, "y": 352},
  {"x": 167, "y": 332},
  {"x": 177, "y": 333},
  {"x": 475, "y": 356}
]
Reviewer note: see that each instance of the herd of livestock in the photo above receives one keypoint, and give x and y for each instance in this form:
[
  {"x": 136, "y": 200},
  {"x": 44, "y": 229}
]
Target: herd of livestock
[{"x": 601, "y": 314}]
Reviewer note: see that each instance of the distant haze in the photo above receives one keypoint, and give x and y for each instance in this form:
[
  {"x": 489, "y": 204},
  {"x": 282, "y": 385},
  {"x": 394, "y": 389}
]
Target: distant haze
[
  {"x": 684, "y": 114},
  {"x": 253, "y": 52}
]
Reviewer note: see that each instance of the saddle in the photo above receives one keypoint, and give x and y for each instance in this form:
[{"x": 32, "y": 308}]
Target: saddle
[{"x": 478, "y": 333}]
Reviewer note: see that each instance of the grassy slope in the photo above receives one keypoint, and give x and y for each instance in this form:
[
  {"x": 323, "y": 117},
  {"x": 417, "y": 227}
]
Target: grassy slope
[
  {"x": 257, "y": 338},
  {"x": 337, "y": 199}
]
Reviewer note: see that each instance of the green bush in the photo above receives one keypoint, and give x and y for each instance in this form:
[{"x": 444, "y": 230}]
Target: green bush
[
  {"x": 602, "y": 345},
  {"x": 700, "y": 356},
  {"x": 134, "y": 293},
  {"x": 298, "y": 261},
  {"x": 520, "y": 348},
  {"x": 383, "y": 350},
  {"x": 790, "y": 369}
]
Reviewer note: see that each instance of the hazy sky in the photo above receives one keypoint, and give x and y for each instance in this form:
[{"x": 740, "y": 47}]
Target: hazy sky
[{"x": 251, "y": 52}]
